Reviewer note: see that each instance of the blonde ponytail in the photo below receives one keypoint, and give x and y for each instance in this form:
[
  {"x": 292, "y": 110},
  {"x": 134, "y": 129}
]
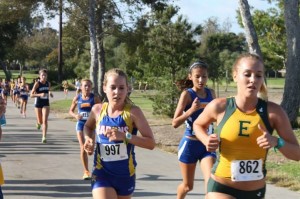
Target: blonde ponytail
[{"x": 263, "y": 92}]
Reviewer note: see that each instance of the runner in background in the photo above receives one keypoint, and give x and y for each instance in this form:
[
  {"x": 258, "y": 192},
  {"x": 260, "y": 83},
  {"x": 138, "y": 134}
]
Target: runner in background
[
  {"x": 65, "y": 85},
  {"x": 2, "y": 111},
  {"x": 84, "y": 102},
  {"x": 41, "y": 92},
  {"x": 193, "y": 99},
  {"x": 77, "y": 86},
  {"x": 24, "y": 91}
]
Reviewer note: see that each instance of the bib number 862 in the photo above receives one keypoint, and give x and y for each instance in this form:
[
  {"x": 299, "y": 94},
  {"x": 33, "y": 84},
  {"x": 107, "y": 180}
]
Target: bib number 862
[
  {"x": 249, "y": 166},
  {"x": 246, "y": 170}
]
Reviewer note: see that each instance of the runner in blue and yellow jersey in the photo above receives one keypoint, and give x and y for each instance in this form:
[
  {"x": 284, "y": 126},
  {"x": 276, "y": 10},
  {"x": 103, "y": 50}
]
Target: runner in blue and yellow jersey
[
  {"x": 193, "y": 99},
  {"x": 84, "y": 102},
  {"x": 2, "y": 111},
  {"x": 116, "y": 123},
  {"x": 245, "y": 123}
]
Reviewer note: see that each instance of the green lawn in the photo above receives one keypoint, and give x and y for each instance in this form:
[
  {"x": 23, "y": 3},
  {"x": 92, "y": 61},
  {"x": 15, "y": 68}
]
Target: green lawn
[{"x": 29, "y": 75}]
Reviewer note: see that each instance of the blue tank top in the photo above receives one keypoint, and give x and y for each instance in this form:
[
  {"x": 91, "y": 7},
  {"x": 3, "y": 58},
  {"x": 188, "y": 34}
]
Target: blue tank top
[
  {"x": 190, "y": 120},
  {"x": 85, "y": 106},
  {"x": 23, "y": 91},
  {"x": 116, "y": 157}
]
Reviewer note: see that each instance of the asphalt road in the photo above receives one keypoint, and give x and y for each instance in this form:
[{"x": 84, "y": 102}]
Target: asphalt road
[{"x": 34, "y": 170}]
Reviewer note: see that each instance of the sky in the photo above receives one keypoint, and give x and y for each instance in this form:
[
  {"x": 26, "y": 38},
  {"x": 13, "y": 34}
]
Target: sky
[{"x": 198, "y": 11}]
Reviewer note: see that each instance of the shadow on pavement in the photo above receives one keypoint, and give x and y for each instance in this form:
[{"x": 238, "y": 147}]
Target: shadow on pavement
[{"x": 57, "y": 188}]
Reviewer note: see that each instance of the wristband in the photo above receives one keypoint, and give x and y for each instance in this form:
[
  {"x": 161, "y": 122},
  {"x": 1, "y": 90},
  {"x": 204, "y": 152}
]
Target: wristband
[
  {"x": 128, "y": 136},
  {"x": 280, "y": 143}
]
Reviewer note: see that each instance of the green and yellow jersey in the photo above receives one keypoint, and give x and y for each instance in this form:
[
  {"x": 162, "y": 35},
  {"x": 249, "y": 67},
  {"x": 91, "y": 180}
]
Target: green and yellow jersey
[{"x": 240, "y": 158}]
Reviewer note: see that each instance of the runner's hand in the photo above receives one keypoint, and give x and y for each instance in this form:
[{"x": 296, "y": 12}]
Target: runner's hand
[
  {"x": 212, "y": 143},
  {"x": 89, "y": 146},
  {"x": 266, "y": 140}
]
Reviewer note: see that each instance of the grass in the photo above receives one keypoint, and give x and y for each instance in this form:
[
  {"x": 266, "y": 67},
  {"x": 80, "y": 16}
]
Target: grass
[
  {"x": 282, "y": 171},
  {"x": 61, "y": 105},
  {"x": 275, "y": 82},
  {"x": 29, "y": 75}
]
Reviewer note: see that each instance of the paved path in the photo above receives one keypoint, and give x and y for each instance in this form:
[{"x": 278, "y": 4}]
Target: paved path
[{"x": 40, "y": 171}]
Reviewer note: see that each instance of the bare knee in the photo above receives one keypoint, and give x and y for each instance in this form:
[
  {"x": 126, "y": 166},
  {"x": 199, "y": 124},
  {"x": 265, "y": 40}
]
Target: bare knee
[{"x": 187, "y": 187}]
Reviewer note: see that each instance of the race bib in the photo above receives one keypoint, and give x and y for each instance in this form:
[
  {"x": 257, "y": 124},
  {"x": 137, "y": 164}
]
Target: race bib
[
  {"x": 246, "y": 170},
  {"x": 210, "y": 129},
  {"x": 85, "y": 115},
  {"x": 113, "y": 152},
  {"x": 45, "y": 97}
]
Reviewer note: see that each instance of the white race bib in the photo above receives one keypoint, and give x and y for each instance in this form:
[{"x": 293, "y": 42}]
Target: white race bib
[
  {"x": 246, "y": 170},
  {"x": 210, "y": 129},
  {"x": 45, "y": 97},
  {"x": 113, "y": 152},
  {"x": 85, "y": 115}
]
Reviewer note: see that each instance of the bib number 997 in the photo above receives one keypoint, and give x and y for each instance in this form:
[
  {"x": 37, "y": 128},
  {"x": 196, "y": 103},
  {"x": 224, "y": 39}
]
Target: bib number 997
[
  {"x": 113, "y": 152},
  {"x": 112, "y": 149}
]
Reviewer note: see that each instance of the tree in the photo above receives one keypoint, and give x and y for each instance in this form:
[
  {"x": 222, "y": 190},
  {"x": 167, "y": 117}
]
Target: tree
[
  {"x": 227, "y": 59},
  {"x": 171, "y": 48},
  {"x": 40, "y": 44},
  {"x": 291, "y": 95},
  {"x": 215, "y": 43},
  {"x": 18, "y": 21},
  {"x": 270, "y": 29},
  {"x": 251, "y": 35},
  {"x": 93, "y": 45},
  {"x": 105, "y": 15}
]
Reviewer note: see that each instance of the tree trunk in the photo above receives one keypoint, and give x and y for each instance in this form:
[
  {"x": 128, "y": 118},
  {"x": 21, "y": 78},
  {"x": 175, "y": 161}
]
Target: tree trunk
[
  {"x": 249, "y": 28},
  {"x": 291, "y": 94},
  {"x": 60, "y": 54},
  {"x": 101, "y": 61},
  {"x": 93, "y": 44},
  {"x": 101, "y": 51},
  {"x": 4, "y": 68}
]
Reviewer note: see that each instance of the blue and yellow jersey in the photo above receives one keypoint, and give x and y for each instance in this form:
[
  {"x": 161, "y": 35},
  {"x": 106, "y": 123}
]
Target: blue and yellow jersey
[
  {"x": 84, "y": 106},
  {"x": 12, "y": 85},
  {"x": 238, "y": 132},
  {"x": 203, "y": 102},
  {"x": 1, "y": 176},
  {"x": 116, "y": 157}
]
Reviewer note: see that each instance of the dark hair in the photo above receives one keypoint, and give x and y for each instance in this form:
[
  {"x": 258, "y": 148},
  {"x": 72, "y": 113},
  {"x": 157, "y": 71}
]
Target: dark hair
[{"x": 187, "y": 83}]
